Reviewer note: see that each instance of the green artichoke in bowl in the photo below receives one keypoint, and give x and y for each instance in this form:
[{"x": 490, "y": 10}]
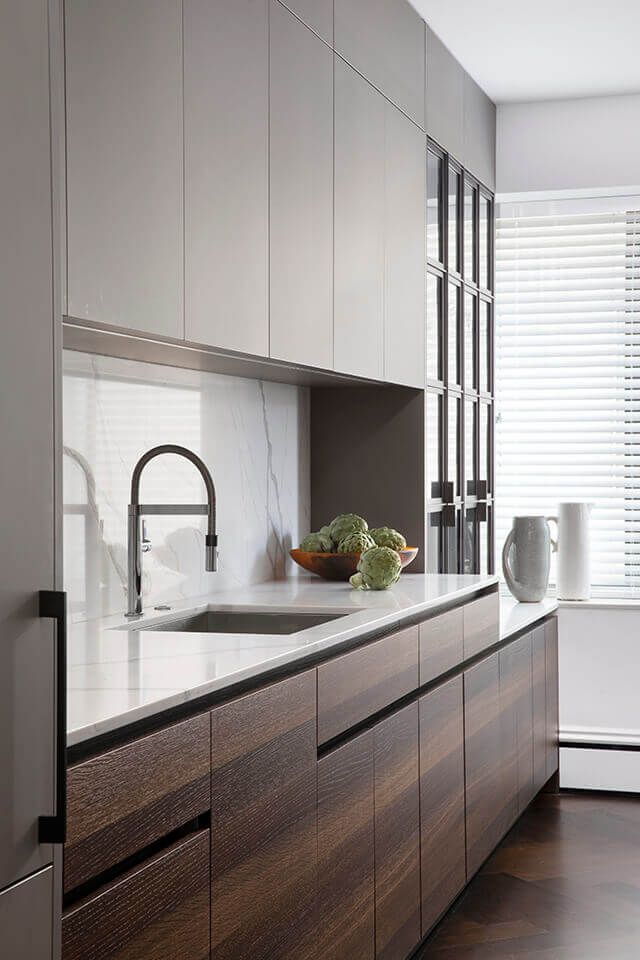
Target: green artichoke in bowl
[
  {"x": 378, "y": 569},
  {"x": 356, "y": 543},
  {"x": 345, "y": 524},
  {"x": 388, "y": 537},
  {"x": 317, "y": 543}
]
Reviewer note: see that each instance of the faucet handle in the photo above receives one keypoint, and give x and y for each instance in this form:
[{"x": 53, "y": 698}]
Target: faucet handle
[{"x": 145, "y": 544}]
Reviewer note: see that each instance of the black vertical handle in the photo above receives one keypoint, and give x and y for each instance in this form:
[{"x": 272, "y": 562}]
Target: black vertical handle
[{"x": 53, "y": 605}]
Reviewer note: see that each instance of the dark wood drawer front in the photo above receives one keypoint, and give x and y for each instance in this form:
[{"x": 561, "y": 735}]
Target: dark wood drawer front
[
  {"x": 552, "y": 697},
  {"x": 358, "y": 684},
  {"x": 481, "y": 624},
  {"x": 263, "y": 837},
  {"x": 158, "y": 911},
  {"x": 120, "y": 801},
  {"x": 441, "y": 644}
]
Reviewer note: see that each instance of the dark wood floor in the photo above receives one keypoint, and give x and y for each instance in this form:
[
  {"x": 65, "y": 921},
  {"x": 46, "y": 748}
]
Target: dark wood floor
[{"x": 564, "y": 885}]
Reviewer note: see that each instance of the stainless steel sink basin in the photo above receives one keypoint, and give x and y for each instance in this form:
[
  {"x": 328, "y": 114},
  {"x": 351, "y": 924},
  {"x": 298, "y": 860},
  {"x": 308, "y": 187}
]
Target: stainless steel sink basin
[{"x": 244, "y": 621}]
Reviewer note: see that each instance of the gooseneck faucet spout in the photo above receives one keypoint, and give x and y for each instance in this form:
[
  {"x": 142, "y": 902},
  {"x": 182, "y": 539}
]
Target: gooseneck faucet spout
[{"x": 138, "y": 510}]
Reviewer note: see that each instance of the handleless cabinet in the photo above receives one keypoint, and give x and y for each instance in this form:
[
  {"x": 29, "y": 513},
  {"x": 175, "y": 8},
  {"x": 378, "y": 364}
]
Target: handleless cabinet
[
  {"x": 226, "y": 180},
  {"x": 405, "y": 250},
  {"x": 397, "y": 833},
  {"x": 346, "y": 863},
  {"x": 26, "y": 918},
  {"x": 359, "y": 225},
  {"x": 301, "y": 193},
  {"x": 263, "y": 817},
  {"x": 317, "y": 14},
  {"x": 125, "y": 164},
  {"x": 539, "y": 693},
  {"x": 384, "y": 41},
  {"x": 442, "y": 799},
  {"x": 445, "y": 97},
  {"x": 552, "y": 697}
]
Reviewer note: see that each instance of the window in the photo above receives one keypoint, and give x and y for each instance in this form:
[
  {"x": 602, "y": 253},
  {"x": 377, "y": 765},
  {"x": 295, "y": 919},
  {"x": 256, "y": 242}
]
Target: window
[{"x": 568, "y": 372}]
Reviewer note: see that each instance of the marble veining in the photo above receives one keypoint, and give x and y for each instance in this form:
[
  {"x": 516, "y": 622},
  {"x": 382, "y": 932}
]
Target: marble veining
[
  {"x": 253, "y": 436},
  {"x": 118, "y": 675}
]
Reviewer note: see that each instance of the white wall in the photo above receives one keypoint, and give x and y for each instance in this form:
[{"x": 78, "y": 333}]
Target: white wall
[
  {"x": 568, "y": 144},
  {"x": 599, "y": 699}
]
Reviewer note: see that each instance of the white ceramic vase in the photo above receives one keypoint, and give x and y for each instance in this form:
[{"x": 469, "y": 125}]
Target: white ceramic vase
[
  {"x": 574, "y": 550},
  {"x": 526, "y": 558}
]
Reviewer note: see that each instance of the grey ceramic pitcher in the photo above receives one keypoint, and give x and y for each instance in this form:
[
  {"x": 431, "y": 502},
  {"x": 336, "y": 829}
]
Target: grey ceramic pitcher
[{"x": 526, "y": 557}]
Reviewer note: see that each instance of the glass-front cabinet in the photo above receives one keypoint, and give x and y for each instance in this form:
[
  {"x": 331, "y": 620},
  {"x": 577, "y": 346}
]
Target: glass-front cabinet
[{"x": 459, "y": 397}]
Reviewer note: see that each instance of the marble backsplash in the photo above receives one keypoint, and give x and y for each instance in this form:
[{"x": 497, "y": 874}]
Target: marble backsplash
[{"x": 253, "y": 436}]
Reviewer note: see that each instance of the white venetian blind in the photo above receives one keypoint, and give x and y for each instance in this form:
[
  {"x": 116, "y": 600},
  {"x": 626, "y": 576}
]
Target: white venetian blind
[{"x": 567, "y": 369}]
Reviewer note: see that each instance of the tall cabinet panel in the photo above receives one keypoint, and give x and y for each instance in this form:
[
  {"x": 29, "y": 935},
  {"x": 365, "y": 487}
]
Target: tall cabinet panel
[
  {"x": 384, "y": 41},
  {"x": 263, "y": 816},
  {"x": 27, "y": 716},
  {"x": 28, "y": 358},
  {"x": 397, "y": 834},
  {"x": 301, "y": 204},
  {"x": 124, "y": 163},
  {"x": 442, "y": 802},
  {"x": 479, "y": 133},
  {"x": 359, "y": 224},
  {"x": 445, "y": 97},
  {"x": 405, "y": 215},
  {"x": 226, "y": 133}
]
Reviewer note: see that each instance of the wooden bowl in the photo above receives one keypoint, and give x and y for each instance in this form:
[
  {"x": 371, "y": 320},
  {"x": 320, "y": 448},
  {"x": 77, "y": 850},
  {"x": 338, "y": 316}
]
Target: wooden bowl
[{"x": 339, "y": 566}]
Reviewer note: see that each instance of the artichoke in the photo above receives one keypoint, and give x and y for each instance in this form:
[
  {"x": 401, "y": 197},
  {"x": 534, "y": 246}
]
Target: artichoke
[
  {"x": 380, "y": 568},
  {"x": 317, "y": 543},
  {"x": 326, "y": 532},
  {"x": 344, "y": 525},
  {"x": 357, "y": 582},
  {"x": 388, "y": 537},
  {"x": 356, "y": 543}
]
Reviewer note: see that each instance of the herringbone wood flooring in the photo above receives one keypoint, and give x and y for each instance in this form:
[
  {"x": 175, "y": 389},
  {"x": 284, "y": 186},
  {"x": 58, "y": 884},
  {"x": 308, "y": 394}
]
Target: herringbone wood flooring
[{"x": 563, "y": 885}]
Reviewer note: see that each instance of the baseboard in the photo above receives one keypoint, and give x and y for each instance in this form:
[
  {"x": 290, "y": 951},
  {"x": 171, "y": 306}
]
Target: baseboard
[{"x": 588, "y": 765}]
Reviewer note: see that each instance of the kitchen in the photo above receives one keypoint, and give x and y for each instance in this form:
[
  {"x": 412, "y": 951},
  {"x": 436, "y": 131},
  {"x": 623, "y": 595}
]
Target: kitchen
[{"x": 256, "y": 310}]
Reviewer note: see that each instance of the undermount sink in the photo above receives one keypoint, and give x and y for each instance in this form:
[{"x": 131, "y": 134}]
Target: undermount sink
[{"x": 244, "y": 621}]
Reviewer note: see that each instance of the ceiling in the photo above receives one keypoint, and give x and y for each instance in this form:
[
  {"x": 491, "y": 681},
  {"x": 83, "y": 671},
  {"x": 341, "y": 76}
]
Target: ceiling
[{"x": 543, "y": 50}]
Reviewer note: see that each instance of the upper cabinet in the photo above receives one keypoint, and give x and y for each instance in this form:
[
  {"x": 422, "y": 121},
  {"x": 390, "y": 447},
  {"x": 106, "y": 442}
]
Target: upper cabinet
[
  {"x": 359, "y": 224},
  {"x": 460, "y": 116},
  {"x": 317, "y": 14},
  {"x": 405, "y": 253},
  {"x": 301, "y": 192},
  {"x": 380, "y": 176},
  {"x": 124, "y": 163},
  {"x": 445, "y": 97},
  {"x": 479, "y": 133},
  {"x": 226, "y": 135},
  {"x": 384, "y": 41}
]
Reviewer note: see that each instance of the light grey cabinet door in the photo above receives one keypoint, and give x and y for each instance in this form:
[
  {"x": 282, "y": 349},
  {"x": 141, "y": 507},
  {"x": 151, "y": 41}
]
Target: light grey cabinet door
[
  {"x": 124, "y": 163},
  {"x": 445, "y": 97},
  {"x": 226, "y": 134},
  {"x": 479, "y": 133},
  {"x": 384, "y": 41},
  {"x": 26, "y": 918},
  {"x": 26, "y": 428},
  {"x": 359, "y": 225},
  {"x": 301, "y": 194},
  {"x": 317, "y": 14},
  {"x": 405, "y": 253}
]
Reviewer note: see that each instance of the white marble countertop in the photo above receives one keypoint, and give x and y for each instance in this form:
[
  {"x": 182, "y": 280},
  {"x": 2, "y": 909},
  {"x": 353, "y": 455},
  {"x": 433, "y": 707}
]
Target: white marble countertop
[
  {"x": 118, "y": 675},
  {"x": 516, "y": 616}
]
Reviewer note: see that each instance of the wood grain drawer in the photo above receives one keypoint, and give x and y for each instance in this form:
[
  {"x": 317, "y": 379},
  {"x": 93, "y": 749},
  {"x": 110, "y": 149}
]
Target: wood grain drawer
[
  {"x": 441, "y": 644},
  {"x": 358, "y": 684},
  {"x": 481, "y": 624},
  {"x": 157, "y": 911},
  {"x": 122, "y": 800}
]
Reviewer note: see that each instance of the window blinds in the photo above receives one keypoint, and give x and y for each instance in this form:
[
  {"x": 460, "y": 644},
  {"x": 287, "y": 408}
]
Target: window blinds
[{"x": 567, "y": 372}]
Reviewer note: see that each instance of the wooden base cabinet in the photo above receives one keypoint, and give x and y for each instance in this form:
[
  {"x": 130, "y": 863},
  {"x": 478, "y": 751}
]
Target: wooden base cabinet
[
  {"x": 552, "y": 698},
  {"x": 442, "y": 810},
  {"x": 263, "y": 816}
]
